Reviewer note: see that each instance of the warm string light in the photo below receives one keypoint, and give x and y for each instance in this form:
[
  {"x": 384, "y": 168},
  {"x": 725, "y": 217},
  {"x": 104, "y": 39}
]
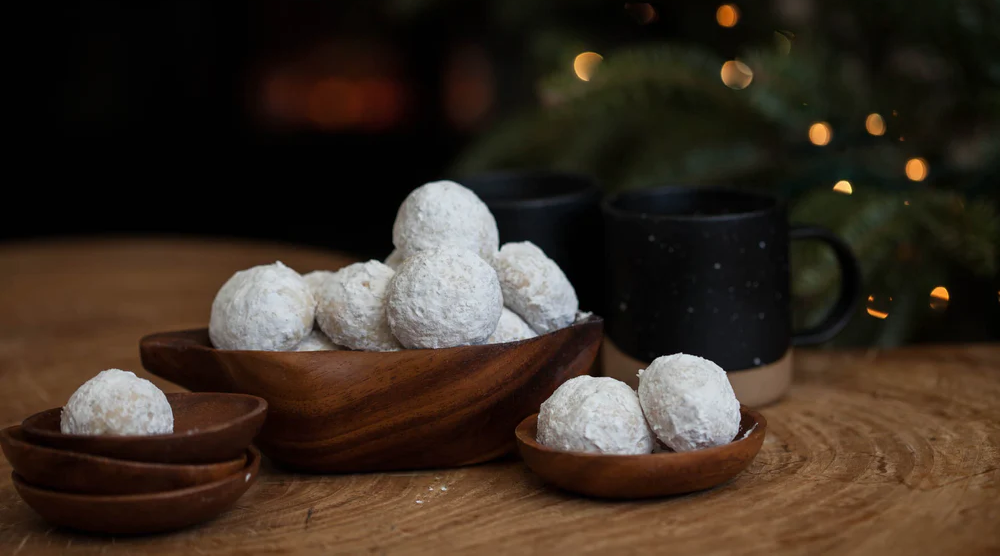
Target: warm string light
[
  {"x": 939, "y": 298},
  {"x": 843, "y": 186},
  {"x": 643, "y": 12},
  {"x": 916, "y": 169},
  {"x": 875, "y": 124},
  {"x": 728, "y": 15},
  {"x": 736, "y": 75},
  {"x": 875, "y": 309},
  {"x": 586, "y": 64},
  {"x": 820, "y": 133}
]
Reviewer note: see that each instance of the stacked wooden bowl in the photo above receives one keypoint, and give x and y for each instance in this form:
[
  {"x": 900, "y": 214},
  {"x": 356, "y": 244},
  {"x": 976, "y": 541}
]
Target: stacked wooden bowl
[{"x": 127, "y": 485}]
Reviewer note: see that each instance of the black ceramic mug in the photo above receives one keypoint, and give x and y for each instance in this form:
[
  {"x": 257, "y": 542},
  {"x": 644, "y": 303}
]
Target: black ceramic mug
[
  {"x": 704, "y": 271},
  {"x": 557, "y": 211}
]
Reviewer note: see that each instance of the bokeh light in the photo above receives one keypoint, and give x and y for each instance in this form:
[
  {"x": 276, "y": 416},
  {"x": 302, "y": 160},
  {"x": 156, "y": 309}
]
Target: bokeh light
[
  {"x": 878, "y": 307},
  {"x": 783, "y": 42},
  {"x": 916, "y": 169},
  {"x": 643, "y": 12},
  {"x": 820, "y": 133},
  {"x": 728, "y": 15},
  {"x": 736, "y": 74},
  {"x": 875, "y": 124},
  {"x": 843, "y": 186},
  {"x": 939, "y": 298},
  {"x": 586, "y": 64}
]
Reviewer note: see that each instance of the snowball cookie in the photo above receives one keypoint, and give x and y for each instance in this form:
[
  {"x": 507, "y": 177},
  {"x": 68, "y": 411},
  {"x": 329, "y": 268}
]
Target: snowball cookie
[
  {"x": 535, "y": 287},
  {"x": 511, "y": 328},
  {"x": 267, "y": 307},
  {"x": 689, "y": 402},
  {"x": 594, "y": 414},
  {"x": 316, "y": 341},
  {"x": 443, "y": 213},
  {"x": 351, "y": 307},
  {"x": 316, "y": 279},
  {"x": 444, "y": 297},
  {"x": 117, "y": 402},
  {"x": 394, "y": 259}
]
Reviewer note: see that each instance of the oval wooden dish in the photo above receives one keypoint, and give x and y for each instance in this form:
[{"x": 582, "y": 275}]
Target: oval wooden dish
[
  {"x": 208, "y": 428},
  {"x": 645, "y": 476},
  {"x": 140, "y": 514},
  {"x": 354, "y": 411},
  {"x": 86, "y": 474}
]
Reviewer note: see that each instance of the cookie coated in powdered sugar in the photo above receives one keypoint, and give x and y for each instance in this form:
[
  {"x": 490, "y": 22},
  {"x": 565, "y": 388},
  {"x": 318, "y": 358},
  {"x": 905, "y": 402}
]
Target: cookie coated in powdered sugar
[
  {"x": 117, "y": 402},
  {"x": 444, "y": 213},
  {"x": 267, "y": 307},
  {"x": 443, "y": 298},
  {"x": 317, "y": 279},
  {"x": 689, "y": 402},
  {"x": 594, "y": 414},
  {"x": 394, "y": 259},
  {"x": 316, "y": 341},
  {"x": 511, "y": 328},
  {"x": 351, "y": 307},
  {"x": 535, "y": 287}
]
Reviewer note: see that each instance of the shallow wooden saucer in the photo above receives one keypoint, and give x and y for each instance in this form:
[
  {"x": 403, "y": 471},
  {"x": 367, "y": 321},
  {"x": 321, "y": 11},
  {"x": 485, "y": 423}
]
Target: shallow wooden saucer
[
  {"x": 645, "y": 476},
  {"x": 138, "y": 514},
  {"x": 86, "y": 474},
  {"x": 208, "y": 428}
]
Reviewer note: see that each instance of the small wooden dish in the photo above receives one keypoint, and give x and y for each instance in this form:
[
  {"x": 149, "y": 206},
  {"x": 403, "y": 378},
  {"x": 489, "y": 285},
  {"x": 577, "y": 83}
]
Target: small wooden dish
[
  {"x": 140, "y": 514},
  {"x": 208, "y": 428},
  {"x": 645, "y": 476},
  {"x": 351, "y": 411},
  {"x": 85, "y": 474}
]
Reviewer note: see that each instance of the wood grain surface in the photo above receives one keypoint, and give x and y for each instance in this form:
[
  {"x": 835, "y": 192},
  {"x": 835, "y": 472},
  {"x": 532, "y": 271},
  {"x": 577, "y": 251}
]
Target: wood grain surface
[{"x": 893, "y": 452}]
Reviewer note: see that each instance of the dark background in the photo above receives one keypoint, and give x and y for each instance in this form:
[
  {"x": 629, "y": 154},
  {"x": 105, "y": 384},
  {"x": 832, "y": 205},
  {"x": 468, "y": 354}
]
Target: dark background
[{"x": 304, "y": 122}]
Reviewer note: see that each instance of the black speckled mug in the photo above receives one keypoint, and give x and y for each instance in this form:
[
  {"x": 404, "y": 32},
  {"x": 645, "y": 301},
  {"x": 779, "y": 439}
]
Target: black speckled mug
[{"x": 705, "y": 271}]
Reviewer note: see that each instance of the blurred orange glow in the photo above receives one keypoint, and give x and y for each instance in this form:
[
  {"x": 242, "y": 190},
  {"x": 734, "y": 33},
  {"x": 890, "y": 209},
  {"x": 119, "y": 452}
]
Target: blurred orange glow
[
  {"x": 736, "y": 74},
  {"x": 820, "y": 133},
  {"x": 939, "y": 298},
  {"x": 878, "y": 313},
  {"x": 586, "y": 64},
  {"x": 875, "y": 124},
  {"x": 843, "y": 186},
  {"x": 468, "y": 87},
  {"x": 916, "y": 169},
  {"x": 727, "y": 15}
]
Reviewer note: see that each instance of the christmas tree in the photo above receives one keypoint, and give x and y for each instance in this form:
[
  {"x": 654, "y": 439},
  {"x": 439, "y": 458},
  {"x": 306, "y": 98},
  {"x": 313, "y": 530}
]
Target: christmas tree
[{"x": 878, "y": 120}]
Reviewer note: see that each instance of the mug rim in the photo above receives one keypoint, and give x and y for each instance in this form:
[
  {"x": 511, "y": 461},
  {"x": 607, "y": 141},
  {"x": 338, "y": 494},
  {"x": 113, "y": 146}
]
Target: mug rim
[
  {"x": 589, "y": 187},
  {"x": 774, "y": 203}
]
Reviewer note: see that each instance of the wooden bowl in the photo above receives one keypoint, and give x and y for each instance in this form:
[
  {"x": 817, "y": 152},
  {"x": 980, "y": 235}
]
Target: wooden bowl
[
  {"x": 350, "y": 411},
  {"x": 208, "y": 428},
  {"x": 82, "y": 473},
  {"x": 138, "y": 514},
  {"x": 645, "y": 476}
]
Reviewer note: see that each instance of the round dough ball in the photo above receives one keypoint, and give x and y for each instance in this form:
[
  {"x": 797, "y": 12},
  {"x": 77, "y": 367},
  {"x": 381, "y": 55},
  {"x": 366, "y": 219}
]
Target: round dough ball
[
  {"x": 511, "y": 328},
  {"x": 351, "y": 307},
  {"x": 535, "y": 287},
  {"x": 444, "y": 213},
  {"x": 267, "y": 307},
  {"x": 317, "y": 279},
  {"x": 316, "y": 341},
  {"x": 689, "y": 402},
  {"x": 594, "y": 414},
  {"x": 443, "y": 298},
  {"x": 117, "y": 402},
  {"x": 394, "y": 259}
]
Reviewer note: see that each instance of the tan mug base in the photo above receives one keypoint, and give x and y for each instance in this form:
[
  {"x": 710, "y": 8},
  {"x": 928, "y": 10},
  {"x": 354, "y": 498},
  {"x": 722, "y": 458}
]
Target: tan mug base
[{"x": 753, "y": 387}]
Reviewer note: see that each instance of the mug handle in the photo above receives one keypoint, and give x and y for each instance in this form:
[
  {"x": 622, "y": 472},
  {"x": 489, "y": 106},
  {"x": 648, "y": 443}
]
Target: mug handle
[{"x": 850, "y": 286}]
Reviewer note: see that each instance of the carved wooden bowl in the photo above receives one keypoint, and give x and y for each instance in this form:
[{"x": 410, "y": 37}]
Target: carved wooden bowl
[
  {"x": 354, "y": 411},
  {"x": 643, "y": 476}
]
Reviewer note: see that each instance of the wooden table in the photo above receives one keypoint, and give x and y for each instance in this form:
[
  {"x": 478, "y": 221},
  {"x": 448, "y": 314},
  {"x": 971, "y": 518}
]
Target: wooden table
[{"x": 873, "y": 452}]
